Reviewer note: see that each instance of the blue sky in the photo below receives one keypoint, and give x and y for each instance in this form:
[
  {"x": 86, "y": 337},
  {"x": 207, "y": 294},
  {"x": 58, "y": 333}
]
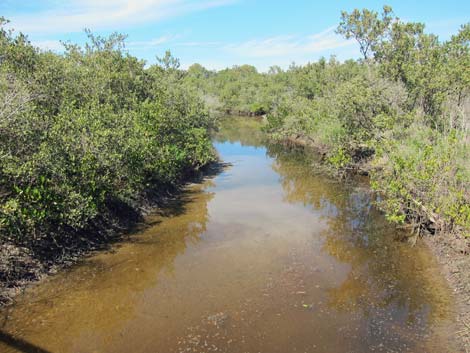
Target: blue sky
[{"x": 219, "y": 33}]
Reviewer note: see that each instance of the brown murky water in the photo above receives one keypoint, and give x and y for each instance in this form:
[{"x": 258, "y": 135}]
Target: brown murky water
[{"x": 264, "y": 257}]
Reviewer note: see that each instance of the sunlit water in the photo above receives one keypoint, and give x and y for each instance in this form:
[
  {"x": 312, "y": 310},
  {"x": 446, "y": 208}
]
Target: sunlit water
[{"x": 266, "y": 256}]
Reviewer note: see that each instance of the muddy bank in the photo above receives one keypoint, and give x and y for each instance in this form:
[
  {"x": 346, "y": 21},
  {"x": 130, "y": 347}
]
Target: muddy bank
[
  {"x": 361, "y": 157},
  {"x": 452, "y": 251},
  {"x": 453, "y": 254},
  {"x": 21, "y": 266}
]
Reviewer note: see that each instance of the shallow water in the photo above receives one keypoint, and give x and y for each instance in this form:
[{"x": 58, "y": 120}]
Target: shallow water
[{"x": 267, "y": 256}]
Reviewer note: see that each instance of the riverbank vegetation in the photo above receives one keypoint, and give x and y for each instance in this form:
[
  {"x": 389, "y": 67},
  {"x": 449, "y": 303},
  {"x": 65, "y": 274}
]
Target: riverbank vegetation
[
  {"x": 401, "y": 112},
  {"x": 89, "y": 136},
  {"x": 86, "y": 138}
]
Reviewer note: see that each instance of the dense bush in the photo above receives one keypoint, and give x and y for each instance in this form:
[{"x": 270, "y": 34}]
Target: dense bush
[
  {"x": 424, "y": 176},
  {"x": 88, "y": 132},
  {"x": 404, "y": 106},
  {"x": 239, "y": 90}
]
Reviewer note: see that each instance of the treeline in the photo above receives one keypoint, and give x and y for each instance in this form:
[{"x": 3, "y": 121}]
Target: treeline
[
  {"x": 240, "y": 90},
  {"x": 86, "y": 138},
  {"x": 402, "y": 111}
]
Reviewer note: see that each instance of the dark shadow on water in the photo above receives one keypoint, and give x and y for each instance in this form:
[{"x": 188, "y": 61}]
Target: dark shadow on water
[
  {"x": 177, "y": 205},
  {"x": 20, "y": 344},
  {"x": 174, "y": 203}
]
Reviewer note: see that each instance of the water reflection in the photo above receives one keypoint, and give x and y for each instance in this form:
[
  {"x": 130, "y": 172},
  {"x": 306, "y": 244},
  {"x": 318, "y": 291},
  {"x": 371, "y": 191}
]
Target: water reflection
[
  {"x": 83, "y": 304},
  {"x": 247, "y": 132},
  {"x": 388, "y": 281}
]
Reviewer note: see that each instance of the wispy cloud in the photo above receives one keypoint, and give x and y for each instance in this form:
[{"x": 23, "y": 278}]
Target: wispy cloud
[
  {"x": 285, "y": 45},
  {"x": 152, "y": 43},
  {"x": 54, "y": 45},
  {"x": 199, "y": 44},
  {"x": 74, "y": 15}
]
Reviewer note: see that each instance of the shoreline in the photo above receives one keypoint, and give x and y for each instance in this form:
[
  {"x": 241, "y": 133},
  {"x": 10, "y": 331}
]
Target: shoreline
[
  {"x": 453, "y": 265},
  {"x": 451, "y": 251},
  {"x": 29, "y": 271}
]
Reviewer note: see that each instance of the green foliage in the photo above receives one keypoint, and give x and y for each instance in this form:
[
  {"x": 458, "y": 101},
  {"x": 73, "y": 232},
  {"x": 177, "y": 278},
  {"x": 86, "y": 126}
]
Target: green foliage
[
  {"x": 423, "y": 176},
  {"x": 87, "y": 130},
  {"x": 339, "y": 158},
  {"x": 240, "y": 90},
  {"x": 405, "y": 106},
  {"x": 365, "y": 27}
]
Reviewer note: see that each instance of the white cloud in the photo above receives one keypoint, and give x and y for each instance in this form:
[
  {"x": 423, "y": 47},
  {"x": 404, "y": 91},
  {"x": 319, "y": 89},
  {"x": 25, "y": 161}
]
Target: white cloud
[
  {"x": 199, "y": 44},
  {"x": 74, "y": 15},
  {"x": 155, "y": 42},
  {"x": 54, "y": 45},
  {"x": 288, "y": 45}
]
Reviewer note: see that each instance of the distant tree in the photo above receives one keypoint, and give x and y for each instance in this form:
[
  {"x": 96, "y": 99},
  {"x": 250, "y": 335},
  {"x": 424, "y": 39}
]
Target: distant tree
[
  {"x": 365, "y": 27},
  {"x": 115, "y": 42},
  {"x": 274, "y": 70},
  {"x": 168, "y": 62},
  {"x": 198, "y": 71},
  {"x": 458, "y": 74}
]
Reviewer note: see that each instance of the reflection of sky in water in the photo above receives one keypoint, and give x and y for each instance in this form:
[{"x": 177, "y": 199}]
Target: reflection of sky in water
[
  {"x": 250, "y": 167},
  {"x": 230, "y": 150}
]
